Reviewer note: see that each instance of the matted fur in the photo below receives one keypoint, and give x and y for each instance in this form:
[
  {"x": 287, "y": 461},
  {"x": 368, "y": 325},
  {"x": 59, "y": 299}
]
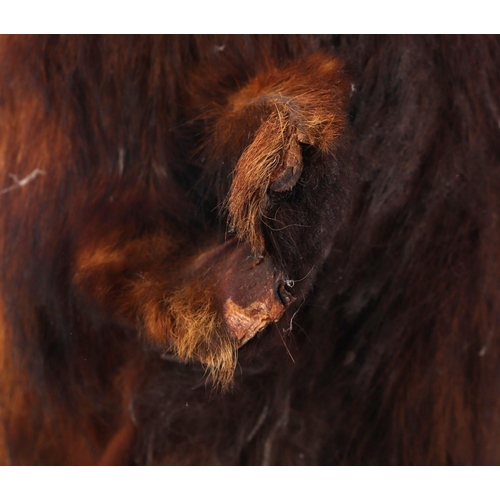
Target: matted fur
[{"x": 363, "y": 170}]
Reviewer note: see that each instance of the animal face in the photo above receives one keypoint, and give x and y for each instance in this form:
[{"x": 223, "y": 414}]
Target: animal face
[{"x": 249, "y": 249}]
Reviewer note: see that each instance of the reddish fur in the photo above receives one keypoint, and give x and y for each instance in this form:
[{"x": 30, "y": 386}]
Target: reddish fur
[{"x": 146, "y": 153}]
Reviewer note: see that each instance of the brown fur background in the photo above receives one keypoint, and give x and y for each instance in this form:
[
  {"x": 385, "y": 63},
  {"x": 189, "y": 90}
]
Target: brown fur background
[{"x": 363, "y": 171}]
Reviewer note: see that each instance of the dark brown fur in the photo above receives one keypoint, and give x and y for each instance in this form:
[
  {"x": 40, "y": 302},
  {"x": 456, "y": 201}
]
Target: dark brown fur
[{"x": 143, "y": 182}]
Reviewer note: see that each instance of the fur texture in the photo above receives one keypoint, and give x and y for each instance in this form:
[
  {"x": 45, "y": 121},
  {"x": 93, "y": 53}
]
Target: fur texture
[{"x": 166, "y": 199}]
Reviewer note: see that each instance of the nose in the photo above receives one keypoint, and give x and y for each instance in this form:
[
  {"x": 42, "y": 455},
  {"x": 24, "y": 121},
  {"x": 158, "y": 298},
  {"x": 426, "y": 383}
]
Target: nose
[{"x": 283, "y": 293}]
